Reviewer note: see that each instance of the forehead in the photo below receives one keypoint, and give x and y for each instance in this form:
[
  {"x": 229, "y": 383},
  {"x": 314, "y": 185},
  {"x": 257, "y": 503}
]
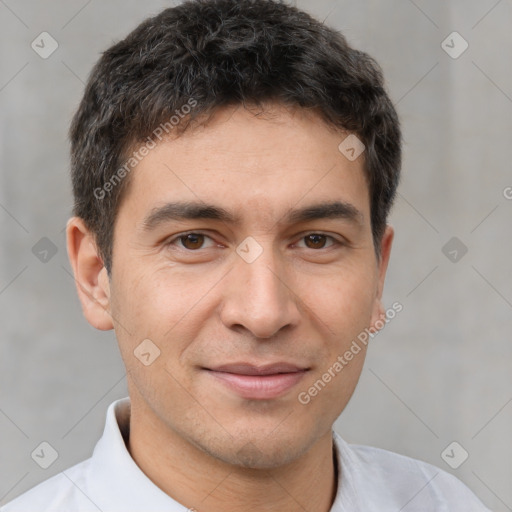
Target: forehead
[{"x": 251, "y": 162}]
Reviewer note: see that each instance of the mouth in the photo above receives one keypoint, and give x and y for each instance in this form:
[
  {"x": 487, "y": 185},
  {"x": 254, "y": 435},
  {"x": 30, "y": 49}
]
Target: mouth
[{"x": 258, "y": 382}]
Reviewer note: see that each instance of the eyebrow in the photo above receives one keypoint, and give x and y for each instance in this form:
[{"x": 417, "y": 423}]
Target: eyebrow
[{"x": 176, "y": 211}]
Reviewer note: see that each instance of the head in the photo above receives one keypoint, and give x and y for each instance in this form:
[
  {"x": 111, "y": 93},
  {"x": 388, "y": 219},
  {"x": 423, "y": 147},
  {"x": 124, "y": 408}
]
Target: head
[{"x": 278, "y": 248}]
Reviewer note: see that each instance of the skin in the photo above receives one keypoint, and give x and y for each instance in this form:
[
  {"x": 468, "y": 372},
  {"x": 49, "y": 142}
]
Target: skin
[{"x": 203, "y": 305}]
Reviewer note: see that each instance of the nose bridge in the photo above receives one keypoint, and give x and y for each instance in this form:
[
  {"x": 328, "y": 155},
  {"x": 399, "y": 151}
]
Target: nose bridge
[
  {"x": 265, "y": 277},
  {"x": 258, "y": 296}
]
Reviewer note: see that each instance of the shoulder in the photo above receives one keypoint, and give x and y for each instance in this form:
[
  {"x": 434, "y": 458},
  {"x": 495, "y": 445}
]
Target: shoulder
[
  {"x": 59, "y": 493},
  {"x": 403, "y": 482}
]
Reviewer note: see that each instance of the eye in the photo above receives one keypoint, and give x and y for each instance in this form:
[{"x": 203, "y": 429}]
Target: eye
[
  {"x": 318, "y": 241},
  {"x": 190, "y": 241},
  {"x": 193, "y": 241}
]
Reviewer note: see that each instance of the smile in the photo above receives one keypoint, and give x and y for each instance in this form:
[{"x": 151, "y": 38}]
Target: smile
[{"x": 258, "y": 383}]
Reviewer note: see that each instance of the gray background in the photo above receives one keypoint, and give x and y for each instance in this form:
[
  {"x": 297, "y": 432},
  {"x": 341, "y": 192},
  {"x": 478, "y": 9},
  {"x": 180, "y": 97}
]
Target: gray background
[{"x": 441, "y": 371}]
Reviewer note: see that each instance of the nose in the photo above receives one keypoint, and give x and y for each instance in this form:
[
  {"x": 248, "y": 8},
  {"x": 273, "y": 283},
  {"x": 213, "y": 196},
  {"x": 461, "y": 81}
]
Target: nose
[{"x": 259, "y": 296}]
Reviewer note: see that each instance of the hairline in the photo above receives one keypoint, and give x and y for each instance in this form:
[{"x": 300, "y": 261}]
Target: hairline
[{"x": 190, "y": 125}]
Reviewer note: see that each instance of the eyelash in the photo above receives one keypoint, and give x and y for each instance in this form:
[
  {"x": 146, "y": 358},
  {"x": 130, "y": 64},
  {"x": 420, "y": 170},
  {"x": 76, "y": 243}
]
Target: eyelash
[{"x": 183, "y": 235}]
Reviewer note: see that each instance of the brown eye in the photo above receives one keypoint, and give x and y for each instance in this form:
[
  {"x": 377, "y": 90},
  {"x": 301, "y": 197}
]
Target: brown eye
[
  {"x": 192, "y": 241},
  {"x": 315, "y": 241}
]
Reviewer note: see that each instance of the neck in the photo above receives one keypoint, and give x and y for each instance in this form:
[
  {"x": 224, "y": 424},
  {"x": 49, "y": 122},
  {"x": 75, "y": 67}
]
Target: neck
[{"x": 201, "y": 482}]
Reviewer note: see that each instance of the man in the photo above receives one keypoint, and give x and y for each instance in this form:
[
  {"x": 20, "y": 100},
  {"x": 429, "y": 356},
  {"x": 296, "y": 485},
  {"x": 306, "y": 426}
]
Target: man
[{"x": 234, "y": 163}]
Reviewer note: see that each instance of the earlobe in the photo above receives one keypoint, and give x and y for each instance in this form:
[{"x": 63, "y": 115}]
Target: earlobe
[
  {"x": 378, "y": 316},
  {"x": 90, "y": 274}
]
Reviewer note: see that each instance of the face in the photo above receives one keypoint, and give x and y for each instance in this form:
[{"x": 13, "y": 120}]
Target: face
[{"x": 248, "y": 302}]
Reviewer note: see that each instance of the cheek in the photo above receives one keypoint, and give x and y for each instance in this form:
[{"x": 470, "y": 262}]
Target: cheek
[
  {"x": 345, "y": 301},
  {"x": 328, "y": 392},
  {"x": 145, "y": 307},
  {"x": 170, "y": 309},
  {"x": 150, "y": 299}
]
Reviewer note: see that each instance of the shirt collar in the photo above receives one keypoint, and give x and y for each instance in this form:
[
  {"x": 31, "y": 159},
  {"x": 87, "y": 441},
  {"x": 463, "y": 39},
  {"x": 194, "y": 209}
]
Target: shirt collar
[
  {"x": 116, "y": 482},
  {"x": 347, "y": 498}
]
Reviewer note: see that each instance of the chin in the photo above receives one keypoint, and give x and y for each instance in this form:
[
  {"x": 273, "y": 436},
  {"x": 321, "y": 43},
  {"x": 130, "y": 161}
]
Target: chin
[
  {"x": 257, "y": 450},
  {"x": 251, "y": 457}
]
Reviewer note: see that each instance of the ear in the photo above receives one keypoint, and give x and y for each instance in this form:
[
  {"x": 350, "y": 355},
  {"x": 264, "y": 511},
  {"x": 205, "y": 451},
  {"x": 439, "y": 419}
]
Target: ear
[
  {"x": 379, "y": 313},
  {"x": 91, "y": 277}
]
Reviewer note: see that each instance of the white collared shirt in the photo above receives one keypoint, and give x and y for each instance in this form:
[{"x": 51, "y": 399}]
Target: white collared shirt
[{"x": 370, "y": 480}]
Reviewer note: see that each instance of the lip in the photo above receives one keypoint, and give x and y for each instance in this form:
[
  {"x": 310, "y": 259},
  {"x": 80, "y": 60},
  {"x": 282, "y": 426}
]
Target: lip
[{"x": 258, "y": 382}]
